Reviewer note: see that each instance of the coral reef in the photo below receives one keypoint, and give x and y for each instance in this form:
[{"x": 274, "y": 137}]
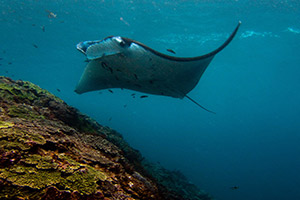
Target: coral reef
[{"x": 49, "y": 150}]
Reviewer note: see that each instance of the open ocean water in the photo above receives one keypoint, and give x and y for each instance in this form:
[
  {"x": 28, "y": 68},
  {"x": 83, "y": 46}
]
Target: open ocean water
[{"x": 253, "y": 142}]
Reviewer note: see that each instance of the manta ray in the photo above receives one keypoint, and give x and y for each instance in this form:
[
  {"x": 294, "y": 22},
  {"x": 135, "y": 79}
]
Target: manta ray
[{"x": 119, "y": 62}]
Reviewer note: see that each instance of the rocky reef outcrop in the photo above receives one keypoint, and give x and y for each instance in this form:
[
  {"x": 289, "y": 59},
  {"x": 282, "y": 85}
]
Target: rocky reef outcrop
[{"x": 49, "y": 150}]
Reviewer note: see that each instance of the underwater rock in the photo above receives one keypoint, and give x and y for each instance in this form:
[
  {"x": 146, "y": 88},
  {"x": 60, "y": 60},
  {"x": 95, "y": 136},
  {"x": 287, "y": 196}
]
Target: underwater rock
[{"x": 49, "y": 150}]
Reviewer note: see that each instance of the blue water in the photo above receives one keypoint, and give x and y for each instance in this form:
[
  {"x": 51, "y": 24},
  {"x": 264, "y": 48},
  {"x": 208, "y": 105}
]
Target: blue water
[{"x": 253, "y": 85}]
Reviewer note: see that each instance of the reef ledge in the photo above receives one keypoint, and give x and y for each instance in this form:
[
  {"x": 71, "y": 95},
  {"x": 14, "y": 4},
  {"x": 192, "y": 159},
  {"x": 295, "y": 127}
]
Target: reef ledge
[{"x": 49, "y": 150}]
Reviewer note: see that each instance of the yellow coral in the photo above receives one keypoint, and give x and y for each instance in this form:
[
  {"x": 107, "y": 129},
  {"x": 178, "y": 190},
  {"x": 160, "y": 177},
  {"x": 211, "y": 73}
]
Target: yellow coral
[{"x": 6, "y": 124}]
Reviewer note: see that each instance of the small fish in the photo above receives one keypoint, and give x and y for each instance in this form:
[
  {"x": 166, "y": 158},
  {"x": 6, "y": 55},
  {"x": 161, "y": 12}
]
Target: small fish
[
  {"x": 1, "y": 58},
  {"x": 109, "y": 119},
  {"x": 125, "y": 22},
  {"x": 110, "y": 91},
  {"x": 9, "y": 63},
  {"x": 51, "y": 14},
  {"x": 43, "y": 28},
  {"x": 143, "y": 96},
  {"x": 234, "y": 187},
  {"x": 32, "y": 24},
  {"x": 125, "y": 106},
  {"x": 35, "y": 46},
  {"x": 170, "y": 50},
  {"x": 135, "y": 76},
  {"x": 58, "y": 90}
]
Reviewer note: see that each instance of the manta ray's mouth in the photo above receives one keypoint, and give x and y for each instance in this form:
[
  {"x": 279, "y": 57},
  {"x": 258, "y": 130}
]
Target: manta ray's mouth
[{"x": 83, "y": 46}]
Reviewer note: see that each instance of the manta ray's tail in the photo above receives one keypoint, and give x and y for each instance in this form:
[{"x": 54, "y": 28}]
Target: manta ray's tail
[{"x": 199, "y": 104}]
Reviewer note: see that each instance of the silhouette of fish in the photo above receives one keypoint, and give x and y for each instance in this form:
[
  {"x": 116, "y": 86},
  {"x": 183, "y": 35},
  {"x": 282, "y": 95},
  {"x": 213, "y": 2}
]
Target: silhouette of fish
[{"x": 234, "y": 187}]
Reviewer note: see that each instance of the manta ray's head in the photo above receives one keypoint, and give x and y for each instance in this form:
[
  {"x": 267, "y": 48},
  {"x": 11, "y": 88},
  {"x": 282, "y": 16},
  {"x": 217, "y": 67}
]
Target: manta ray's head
[{"x": 108, "y": 46}]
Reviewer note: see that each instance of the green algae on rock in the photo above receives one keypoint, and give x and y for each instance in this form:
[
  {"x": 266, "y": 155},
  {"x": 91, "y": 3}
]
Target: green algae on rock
[{"x": 49, "y": 150}]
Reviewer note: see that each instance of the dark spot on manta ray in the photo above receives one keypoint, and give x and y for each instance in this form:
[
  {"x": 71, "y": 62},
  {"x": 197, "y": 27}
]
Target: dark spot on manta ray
[
  {"x": 138, "y": 85},
  {"x": 143, "y": 96},
  {"x": 110, "y": 91},
  {"x": 104, "y": 65},
  {"x": 170, "y": 50},
  {"x": 111, "y": 70},
  {"x": 132, "y": 94},
  {"x": 118, "y": 70}
]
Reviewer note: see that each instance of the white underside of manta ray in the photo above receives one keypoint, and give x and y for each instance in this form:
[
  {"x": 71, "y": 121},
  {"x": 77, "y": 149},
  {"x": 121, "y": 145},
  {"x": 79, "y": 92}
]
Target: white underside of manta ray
[{"x": 118, "y": 62}]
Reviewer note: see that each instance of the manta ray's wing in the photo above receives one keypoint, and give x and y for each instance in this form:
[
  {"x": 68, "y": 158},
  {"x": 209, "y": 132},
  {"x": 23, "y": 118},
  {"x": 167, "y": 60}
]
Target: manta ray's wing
[{"x": 118, "y": 62}]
